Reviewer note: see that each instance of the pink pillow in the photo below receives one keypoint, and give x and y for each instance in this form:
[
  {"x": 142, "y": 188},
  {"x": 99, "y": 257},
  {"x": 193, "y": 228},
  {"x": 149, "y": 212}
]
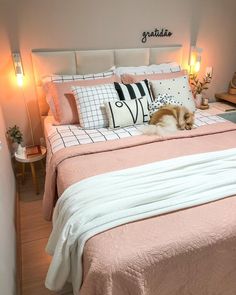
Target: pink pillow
[
  {"x": 65, "y": 109},
  {"x": 129, "y": 78}
]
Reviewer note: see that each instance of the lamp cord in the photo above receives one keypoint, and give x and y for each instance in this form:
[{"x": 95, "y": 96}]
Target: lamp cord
[{"x": 28, "y": 115}]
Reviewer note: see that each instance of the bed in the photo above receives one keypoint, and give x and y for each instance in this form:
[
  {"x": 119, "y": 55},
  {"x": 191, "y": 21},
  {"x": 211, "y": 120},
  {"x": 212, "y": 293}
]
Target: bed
[{"x": 186, "y": 250}]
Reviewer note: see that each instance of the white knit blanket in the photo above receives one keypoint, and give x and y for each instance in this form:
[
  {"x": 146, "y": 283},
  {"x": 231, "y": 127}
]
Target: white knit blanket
[{"x": 102, "y": 202}]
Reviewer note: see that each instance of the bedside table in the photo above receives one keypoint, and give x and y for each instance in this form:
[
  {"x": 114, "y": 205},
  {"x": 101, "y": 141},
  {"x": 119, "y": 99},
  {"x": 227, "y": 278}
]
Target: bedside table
[
  {"x": 223, "y": 110},
  {"x": 24, "y": 160},
  {"x": 216, "y": 108}
]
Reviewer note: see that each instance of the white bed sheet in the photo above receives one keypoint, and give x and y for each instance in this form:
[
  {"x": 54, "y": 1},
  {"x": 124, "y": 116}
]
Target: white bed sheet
[{"x": 63, "y": 136}]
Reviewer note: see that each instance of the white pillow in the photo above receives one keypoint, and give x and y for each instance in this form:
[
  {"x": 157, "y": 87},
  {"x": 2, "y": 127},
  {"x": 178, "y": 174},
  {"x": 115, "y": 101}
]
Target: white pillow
[
  {"x": 90, "y": 104},
  {"x": 131, "y": 70},
  {"x": 127, "y": 113},
  {"x": 178, "y": 87},
  {"x": 164, "y": 68},
  {"x": 155, "y": 68},
  {"x": 68, "y": 78}
]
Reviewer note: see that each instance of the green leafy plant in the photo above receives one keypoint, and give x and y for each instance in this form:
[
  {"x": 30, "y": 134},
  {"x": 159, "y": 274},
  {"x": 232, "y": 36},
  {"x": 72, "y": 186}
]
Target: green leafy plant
[
  {"x": 198, "y": 86},
  {"x": 15, "y": 134}
]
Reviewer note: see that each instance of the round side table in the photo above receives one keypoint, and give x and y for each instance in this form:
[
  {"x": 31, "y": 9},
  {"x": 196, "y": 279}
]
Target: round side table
[{"x": 24, "y": 160}]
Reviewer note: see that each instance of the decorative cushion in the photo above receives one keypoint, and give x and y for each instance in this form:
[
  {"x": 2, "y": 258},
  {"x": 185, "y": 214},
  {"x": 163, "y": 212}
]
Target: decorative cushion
[
  {"x": 52, "y": 108},
  {"x": 90, "y": 103},
  {"x": 131, "y": 78},
  {"x": 65, "y": 109},
  {"x": 171, "y": 100},
  {"x": 134, "y": 90},
  {"x": 161, "y": 100},
  {"x": 127, "y": 113},
  {"x": 178, "y": 87}
]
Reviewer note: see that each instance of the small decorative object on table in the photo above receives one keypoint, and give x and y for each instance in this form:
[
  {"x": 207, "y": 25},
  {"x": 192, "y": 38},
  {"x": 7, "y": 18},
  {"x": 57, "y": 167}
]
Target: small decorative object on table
[
  {"x": 199, "y": 87},
  {"x": 16, "y": 137},
  {"x": 32, "y": 151},
  {"x": 231, "y": 95}
]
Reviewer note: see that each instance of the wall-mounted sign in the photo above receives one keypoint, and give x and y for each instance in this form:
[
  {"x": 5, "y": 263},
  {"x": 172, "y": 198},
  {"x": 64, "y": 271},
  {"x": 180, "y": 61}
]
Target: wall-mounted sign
[{"x": 156, "y": 33}]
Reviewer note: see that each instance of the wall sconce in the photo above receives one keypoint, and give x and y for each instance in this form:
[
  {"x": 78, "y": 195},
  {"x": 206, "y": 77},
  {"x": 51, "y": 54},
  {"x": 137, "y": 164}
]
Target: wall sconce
[
  {"x": 18, "y": 69},
  {"x": 195, "y": 60},
  {"x": 20, "y": 81}
]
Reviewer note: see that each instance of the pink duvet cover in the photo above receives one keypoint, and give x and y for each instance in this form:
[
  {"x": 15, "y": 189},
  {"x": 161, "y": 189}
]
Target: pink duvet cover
[{"x": 192, "y": 251}]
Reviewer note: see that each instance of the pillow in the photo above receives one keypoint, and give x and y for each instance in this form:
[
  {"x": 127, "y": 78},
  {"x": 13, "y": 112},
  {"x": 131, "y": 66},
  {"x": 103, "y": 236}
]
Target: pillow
[
  {"x": 134, "y": 90},
  {"x": 178, "y": 87},
  {"x": 68, "y": 78},
  {"x": 52, "y": 108},
  {"x": 127, "y": 113},
  {"x": 159, "y": 68},
  {"x": 131, "y": 70},
  {"x": 131, "y": 78},
  {"x": 171, "y": 100},
  {"x": 164, "y": 68},
  {"x": 161, "y": 100},
  {"x": 90, "y": 103},
  {"x": 65, "y": 109}
]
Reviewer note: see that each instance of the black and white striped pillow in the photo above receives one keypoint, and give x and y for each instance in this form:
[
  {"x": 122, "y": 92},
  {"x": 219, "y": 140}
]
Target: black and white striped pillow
[{"x": 134, "y": 90}]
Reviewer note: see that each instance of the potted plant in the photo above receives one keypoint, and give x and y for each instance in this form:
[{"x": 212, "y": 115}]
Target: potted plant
[
  {"x": 16, "y": 137},
  {"x": 199, "y": 86}
]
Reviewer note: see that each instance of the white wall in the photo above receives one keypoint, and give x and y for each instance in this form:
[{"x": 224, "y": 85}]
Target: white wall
[
  {"x": 7, "y": 212},
  {"x": 93, "y": 24}
]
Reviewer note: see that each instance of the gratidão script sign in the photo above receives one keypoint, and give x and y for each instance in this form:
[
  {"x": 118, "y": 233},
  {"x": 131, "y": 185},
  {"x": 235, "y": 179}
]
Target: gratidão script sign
[{"x": 156, "y": 33}]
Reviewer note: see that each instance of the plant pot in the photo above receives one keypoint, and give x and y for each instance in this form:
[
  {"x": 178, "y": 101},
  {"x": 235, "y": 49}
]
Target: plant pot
[
  {"x": 205, "y": 101},
  {"x": 13, "y": 146},
  {"x": 20, "y": 150},
  {"x": 198, "y": 100}
]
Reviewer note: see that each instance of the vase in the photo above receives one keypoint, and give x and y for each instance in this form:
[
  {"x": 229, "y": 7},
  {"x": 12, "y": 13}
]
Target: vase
[
  {"x": 198, "y": 100},
  {"x": 20, "y": 150},
  {"x": 205, "y": 101}
]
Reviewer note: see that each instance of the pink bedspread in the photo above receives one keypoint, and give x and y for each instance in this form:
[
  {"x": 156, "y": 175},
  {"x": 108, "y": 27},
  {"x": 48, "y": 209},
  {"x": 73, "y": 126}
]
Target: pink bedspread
[{"x": 191, "y": 251}]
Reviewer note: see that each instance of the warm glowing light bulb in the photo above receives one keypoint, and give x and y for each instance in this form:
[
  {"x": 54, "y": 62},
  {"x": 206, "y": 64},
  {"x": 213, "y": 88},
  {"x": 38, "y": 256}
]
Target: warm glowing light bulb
[
  {"x": 193, "y": 59},
  {"x": 197, "y": 66},
  {"x": 20, "y": 79}
]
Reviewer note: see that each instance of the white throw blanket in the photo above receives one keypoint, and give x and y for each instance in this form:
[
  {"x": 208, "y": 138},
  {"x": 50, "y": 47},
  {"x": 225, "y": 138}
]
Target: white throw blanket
[{"x": 102, "y": 202}]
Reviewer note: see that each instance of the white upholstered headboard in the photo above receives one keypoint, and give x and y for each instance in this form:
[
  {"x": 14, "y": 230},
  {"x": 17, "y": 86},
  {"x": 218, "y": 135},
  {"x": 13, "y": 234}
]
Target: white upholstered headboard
[{"x": 94, "y": 61}]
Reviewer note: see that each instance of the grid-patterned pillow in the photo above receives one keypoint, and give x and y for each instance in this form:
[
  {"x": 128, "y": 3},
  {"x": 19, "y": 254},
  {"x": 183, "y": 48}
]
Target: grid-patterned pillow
[
  {"x": 90, "y": 103},
  {"x": 161, "y": 100},
  {"x": 69, "y": 78},
  {"x": 133, "y": 91}
]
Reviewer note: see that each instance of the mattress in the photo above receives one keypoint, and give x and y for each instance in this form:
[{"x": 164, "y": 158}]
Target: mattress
[{"x": 168, "y": 254}]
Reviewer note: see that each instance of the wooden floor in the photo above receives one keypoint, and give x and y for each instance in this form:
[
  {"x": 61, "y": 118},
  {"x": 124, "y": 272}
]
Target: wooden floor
[{"x": 34, "y": 233}]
